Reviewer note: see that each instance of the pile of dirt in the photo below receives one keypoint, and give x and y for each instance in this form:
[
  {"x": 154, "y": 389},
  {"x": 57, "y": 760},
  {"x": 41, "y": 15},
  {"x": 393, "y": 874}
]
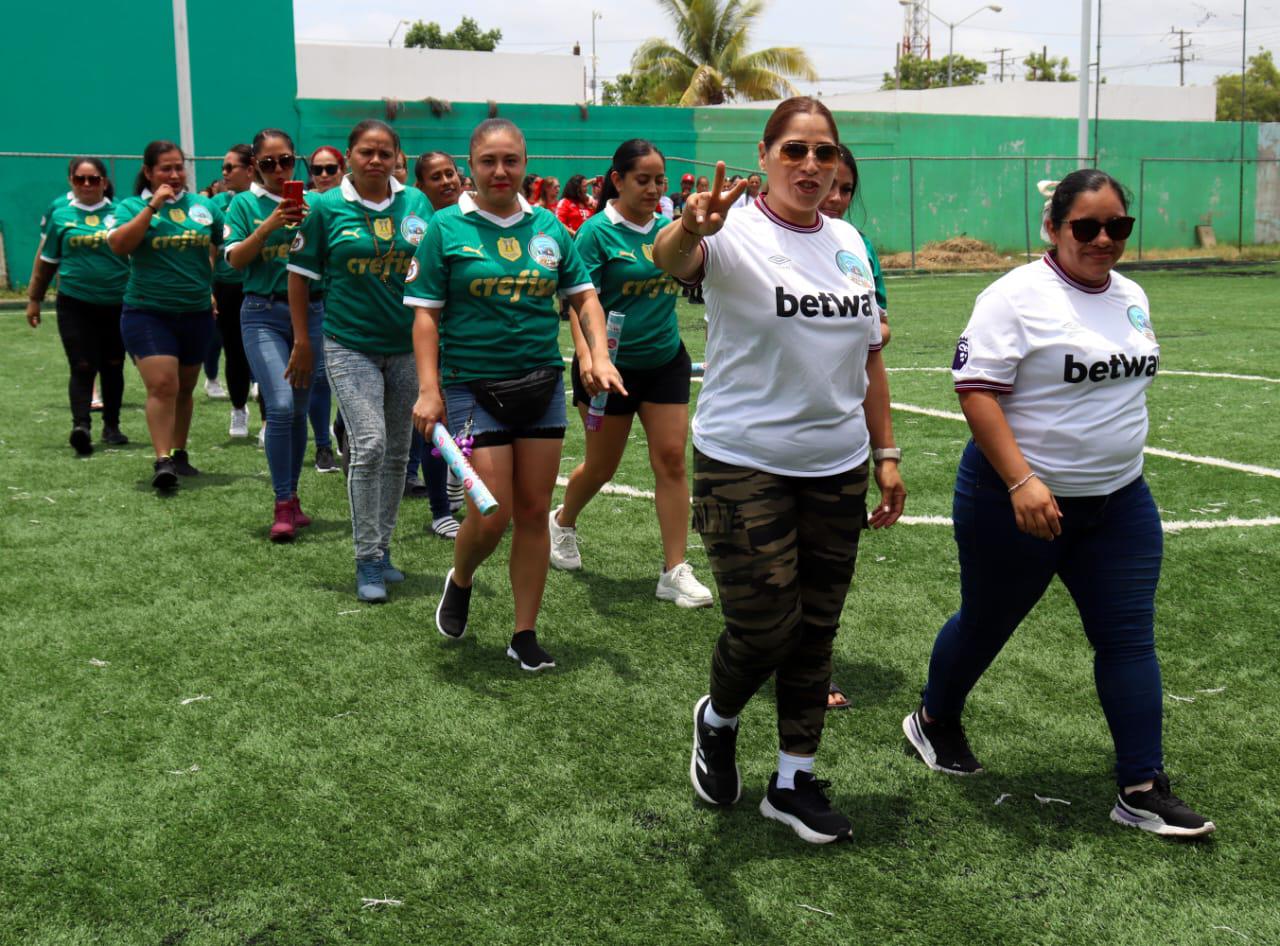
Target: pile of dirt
[{"x": 956, "y": 252}]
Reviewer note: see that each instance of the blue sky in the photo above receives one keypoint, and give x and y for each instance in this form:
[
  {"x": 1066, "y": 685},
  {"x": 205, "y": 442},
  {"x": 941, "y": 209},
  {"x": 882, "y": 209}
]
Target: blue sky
[{"x": 851, "y": 42}]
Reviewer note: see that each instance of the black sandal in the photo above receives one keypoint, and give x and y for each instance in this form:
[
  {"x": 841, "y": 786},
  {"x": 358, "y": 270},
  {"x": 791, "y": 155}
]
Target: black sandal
[{"x": 836, "y": 691}]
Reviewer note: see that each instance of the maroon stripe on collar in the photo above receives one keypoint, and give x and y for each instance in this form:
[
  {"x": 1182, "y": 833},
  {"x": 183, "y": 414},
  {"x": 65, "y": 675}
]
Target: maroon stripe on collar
[
  {"x": 768, "y": 212},
  {"x": 1062, "y": 274}
]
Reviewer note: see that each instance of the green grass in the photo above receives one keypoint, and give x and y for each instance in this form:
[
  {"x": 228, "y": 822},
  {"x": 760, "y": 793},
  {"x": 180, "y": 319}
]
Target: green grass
[{"x": 347, "y": 752}]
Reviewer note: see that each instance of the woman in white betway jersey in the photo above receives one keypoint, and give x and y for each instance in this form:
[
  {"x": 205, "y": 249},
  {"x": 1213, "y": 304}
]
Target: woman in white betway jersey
[
  {"x": 1052, "y": 373},
  {"x": 794, "y": 404}
]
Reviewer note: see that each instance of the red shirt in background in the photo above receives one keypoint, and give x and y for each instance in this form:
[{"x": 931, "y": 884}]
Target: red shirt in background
[{"x": 572, "y": 214}]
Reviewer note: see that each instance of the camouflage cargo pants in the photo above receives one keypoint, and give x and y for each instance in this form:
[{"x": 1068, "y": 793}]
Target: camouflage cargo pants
[{"x": 782, "y": 550}]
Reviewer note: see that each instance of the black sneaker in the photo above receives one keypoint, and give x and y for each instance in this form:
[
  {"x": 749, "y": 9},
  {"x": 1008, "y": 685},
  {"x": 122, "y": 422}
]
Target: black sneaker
[
  {"x": 714, "y": 766},
  {"x": 941, "y": 744},
  {"x": 451, "y": 612},
  {"x": 182, "y": 464},
  {"x": 806, "y": 809},
  {"x": 1160, "y": 811},
  {"x": 165, "y": 477},
  {"x": 324, "y": 460},
  {"x": 113, "y": 437},
  {"x": 414, "y": 488},
  {"x": 81, "y": 440},
  {"x": 525, "y": 648}
]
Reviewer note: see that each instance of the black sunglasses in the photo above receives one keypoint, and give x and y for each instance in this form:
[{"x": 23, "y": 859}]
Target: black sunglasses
[
  {"x": 793, "y": 152},
  {"x": 324, "y": 170},
  {"x": 1086, "y": 229},
  {"x": 230, "y": 166},
  {"x": 268, "y": 164},
  {"x": 86, "y": 180}
]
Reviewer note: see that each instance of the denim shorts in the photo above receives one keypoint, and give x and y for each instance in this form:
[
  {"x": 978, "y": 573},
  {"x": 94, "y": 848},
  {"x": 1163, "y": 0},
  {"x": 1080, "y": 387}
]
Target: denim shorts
[
  {"x": 181, "y": 335},
  {"x": 467, "y": 417}
]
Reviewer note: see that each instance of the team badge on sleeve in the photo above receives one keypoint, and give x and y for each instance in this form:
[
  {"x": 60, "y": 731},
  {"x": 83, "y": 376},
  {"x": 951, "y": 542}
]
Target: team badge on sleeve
[
  {"x": 545, "y": 251},
  {"x": 200, "y": 214},
  {"x": 509, "y": 248},
  {"x": 412, "y": 228},
  {"x": 1141, "y": 321},
  {"x": 962, "y": 354},
  {"x": 177, "y": 215},
  {"x": 383, "y": 228},
  {"x": 298, "y": 243},
  {"x": 413, "y": 271}
]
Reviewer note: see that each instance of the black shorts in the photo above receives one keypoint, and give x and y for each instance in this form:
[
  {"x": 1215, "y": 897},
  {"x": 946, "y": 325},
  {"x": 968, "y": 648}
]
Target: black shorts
[{"x": 665, "y": 384}]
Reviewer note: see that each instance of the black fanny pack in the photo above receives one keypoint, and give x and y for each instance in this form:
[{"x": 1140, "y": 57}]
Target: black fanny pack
[{"x": 518, "y": 402}]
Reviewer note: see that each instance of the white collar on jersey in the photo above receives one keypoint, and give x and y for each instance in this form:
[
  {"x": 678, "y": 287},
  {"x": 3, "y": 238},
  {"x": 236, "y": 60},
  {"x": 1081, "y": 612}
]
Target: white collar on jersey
[
  {"x": 763, "y": 206},
  {"x": 467, "y": 205},
  {"x": 616, "y": 218},
  {"x": 146, "y": 195},
  {"x": 1062, "y": 274},
  {"x": 257, "y": 190},
  {"x": 349, "y": 192},
  {"x": 85, "y": 207}
]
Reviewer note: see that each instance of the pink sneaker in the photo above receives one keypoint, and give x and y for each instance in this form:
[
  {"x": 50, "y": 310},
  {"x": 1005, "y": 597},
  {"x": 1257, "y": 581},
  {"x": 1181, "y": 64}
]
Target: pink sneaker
[
  {"x": 300, "y": 518},
  {"x": 282, "y": 529}
]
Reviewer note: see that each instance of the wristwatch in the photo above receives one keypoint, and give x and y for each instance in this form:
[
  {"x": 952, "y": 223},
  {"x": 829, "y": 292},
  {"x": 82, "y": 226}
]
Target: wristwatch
[{"x": 886, "y": 453}]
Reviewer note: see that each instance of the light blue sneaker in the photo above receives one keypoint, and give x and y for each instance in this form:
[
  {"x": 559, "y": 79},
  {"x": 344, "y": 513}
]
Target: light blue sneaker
[
  {"x": 370, "y": 586},
  {"x": 390, "y": 573}
]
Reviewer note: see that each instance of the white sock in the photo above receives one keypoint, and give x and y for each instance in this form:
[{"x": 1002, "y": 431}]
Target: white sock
[
  {"x": 789, "y": 765},
  {"x": 716, "y": 721}
]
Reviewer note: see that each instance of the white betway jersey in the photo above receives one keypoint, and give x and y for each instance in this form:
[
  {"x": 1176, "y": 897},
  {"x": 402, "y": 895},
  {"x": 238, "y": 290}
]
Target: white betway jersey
[
  {"x": 791, "y": 315},
  {"x": 1072, "y": 364}
]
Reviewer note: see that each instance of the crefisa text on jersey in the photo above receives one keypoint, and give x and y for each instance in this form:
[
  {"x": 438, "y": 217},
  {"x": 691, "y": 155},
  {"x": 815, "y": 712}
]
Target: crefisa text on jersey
[
  {"x": 1118, "y": 365},
  {"x": 826, "y": 304}
]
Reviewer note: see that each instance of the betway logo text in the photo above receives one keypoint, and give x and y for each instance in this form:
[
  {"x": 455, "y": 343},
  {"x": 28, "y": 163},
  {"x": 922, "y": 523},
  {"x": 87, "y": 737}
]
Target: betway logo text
[
  {"x": 826, "y": 304},
  {"x": 1118, "y": 366}
]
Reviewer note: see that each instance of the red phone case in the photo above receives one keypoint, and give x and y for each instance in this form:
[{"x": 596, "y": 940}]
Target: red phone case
[{"x": 293, "y": 191}]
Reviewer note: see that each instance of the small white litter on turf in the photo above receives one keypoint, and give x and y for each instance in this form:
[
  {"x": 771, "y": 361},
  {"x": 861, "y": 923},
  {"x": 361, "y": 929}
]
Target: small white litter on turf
[{"x": 1046, "y": 800}]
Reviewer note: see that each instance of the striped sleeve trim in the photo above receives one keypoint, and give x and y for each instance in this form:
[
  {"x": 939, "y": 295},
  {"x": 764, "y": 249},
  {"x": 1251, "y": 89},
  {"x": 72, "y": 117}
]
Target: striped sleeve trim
[
  {"x": 301, "y": 271},
  {"x": 50, "y": 259},
  {"x": 980, "y": 385},
  {"x": 574, "y": 290},
  {"x": 414, "y": 302},
  {"x": 871, "y": 348},
  {"x": 226, "y": 250}
]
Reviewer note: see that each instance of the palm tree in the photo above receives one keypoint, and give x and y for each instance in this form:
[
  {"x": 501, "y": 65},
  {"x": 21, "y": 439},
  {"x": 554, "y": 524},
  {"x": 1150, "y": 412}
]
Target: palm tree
[{"x": 710, "y": 63}]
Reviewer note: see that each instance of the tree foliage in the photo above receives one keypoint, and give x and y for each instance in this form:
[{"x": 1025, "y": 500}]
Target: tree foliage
[
  {"x": 467, "y": 35},
  {"x": 1041, "y": 67},
  {"x": 628, "y": 89},
  {"x": 710, "y": 62},
  {"x": 915, "y": 72},
  {"x": 1261, "y": 91}
]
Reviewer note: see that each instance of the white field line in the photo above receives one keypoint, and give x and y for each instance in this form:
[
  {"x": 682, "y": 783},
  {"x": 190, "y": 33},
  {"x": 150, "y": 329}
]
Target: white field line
[{"x": 1227, "y": 375}]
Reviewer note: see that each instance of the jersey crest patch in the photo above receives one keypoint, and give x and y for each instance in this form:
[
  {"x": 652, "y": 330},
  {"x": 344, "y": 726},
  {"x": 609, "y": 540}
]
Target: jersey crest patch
[
  {"x": 412, "y": 228},
  {"x": 176, "y": 214},
  {"x": 851, "y": 266},
  {"x": 109, "y": 221},
  {"x": 298, "y": 243},
  {"x": 413, "y": 271},
  {"x": 647, "y": 249},
  {"x": 383, "y": 228},
  {"x": 200, "y": 214},
  {"x": 509, "y": 248},
  {"x": 962, "y": 354},
  {"x": 545, "y": 251},
  {"x": 91, "y": 220},
  {"x": 1141, "y": 321}
]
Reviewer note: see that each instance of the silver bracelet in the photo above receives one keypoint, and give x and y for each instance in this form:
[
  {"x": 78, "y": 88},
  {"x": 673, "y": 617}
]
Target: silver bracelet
[
  {"x": 1022, "y": 482},
  {"x": 886, "y": 453}
]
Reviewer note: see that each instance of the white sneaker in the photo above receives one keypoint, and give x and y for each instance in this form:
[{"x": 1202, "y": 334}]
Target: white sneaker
[
  {"x": 214, "y": 389},
  {"x": 262, "y": 435},
  {"x": 253, "y": 391},
  {"x": 564, "y": 544},
  {"x": 239, "y": 422},
  {"x": 680, "y": 586}
]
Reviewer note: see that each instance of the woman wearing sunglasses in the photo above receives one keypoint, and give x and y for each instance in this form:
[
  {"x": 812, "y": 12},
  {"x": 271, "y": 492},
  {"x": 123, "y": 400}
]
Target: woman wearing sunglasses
[
  {"x": 167, "y": 233},
  {"x": 794, "y": 408},
  {"x": 361, "y": 236},
  {"x": 327, "y": 167},
  {"x": 90, "y": 289},
  {"x": 1052, "y": 373},
  {"x": 261, "y": 224},
  {"x": 228, "y": 294}
]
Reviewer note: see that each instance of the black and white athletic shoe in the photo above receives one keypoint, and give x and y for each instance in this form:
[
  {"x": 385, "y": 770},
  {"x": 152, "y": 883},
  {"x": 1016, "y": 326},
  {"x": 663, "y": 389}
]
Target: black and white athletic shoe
[
  {"x": 525, "y": 649},
  {"x": 940, "y": 744},
  {"x": 451, "y": 612},
  {"x": 182, "y": 464},
  {"x": 806, "y": 810},
  {"x": 1160, "y": 811},
  {"x": 81, "y": 440},
  {"x": 714, "y": 766},
  {"x": 165, "y": 477}
]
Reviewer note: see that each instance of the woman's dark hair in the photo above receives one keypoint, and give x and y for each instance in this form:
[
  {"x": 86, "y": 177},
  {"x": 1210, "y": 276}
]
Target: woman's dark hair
[
  {"x": 109, "y": 191},
  {"x": 1077, "y": 182},
  {"x": 420, "y": 166},
  {"x": 849, "y": 161},
  {"x": 526, "y": 187},
  {"x": 575, "y": 189},
  {"x": 797, "y": 105},
  {"x": 260, "y": 139},
  {"x": 368, "y": 125},
  {"x": 491, "y": 125},
  {"x": 150, "y": 158},
  {"x": 624, "y": 160}
]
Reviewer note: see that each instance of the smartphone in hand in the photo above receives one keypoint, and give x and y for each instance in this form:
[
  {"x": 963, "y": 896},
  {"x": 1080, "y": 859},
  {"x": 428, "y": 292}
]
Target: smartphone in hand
[{"x": 293, "y": 191}]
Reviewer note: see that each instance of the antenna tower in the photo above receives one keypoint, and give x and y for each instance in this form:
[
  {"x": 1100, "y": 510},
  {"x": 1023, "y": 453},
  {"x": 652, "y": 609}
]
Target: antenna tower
[{"x": 915, "y": 29}]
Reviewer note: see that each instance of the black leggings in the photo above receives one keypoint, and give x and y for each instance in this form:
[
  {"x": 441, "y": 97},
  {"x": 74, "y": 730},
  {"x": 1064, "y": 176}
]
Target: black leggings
[
  {"x": 230, "y": 296},
  {"x": 91, "y": 338}
]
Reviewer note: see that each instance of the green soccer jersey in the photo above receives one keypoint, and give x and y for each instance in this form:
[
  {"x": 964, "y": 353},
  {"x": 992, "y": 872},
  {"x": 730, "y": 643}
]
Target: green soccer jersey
[
  {"x": 222, "y": 270},
  {"x": 60, "y": 201},
  {"x": 877, "y": 276},
  {"x": 497, "y": 282},
  {"x": 75, "y": 240},
  {"x": 266, "y": 274},
  {"x": 364, "y": 251},
  {"x": 618, "y": 256},
  {"x": 170, "y": 269}
]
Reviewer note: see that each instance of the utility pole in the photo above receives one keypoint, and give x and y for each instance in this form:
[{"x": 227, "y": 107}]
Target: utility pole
[
  {"x": 595, "y": 60},
  {"x": 1082, "y": 122},
  {"x": 1001, "y": 53},
  {"x": 1183, "y": 45}
]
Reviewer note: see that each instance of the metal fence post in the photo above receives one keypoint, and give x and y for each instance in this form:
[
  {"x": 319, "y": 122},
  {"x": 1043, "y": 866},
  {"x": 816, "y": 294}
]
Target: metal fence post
[
  {"x": 1026, "y": 204},
  {"x": 911, "y": 205},
  {"x": 1142, "y": 193}
]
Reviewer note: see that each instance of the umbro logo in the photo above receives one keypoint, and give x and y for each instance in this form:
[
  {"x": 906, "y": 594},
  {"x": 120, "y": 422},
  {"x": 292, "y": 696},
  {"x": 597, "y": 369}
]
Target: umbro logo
[{"x": 779, "y": 260}]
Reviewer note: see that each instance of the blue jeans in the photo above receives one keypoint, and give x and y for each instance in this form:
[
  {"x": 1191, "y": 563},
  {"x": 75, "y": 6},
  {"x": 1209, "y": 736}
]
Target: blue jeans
[
  {"x": 268, "y": 339},
  {"x": 1108, "y": 557},
  {"x": 320, "y": 410},
  {"x": 376, "y": 395}
]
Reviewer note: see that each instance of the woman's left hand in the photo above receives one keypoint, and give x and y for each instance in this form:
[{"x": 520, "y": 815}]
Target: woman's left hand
[
  {"x": 893, "y": 495},
  {"x": 298, "y": 371}
]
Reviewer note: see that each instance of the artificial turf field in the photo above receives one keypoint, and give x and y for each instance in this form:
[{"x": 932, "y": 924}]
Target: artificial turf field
[{"x": 347, "y": 751}]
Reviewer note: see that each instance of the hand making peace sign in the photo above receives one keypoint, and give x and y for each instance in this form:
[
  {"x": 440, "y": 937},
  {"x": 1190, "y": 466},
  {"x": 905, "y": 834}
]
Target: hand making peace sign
[{"x": 704, "y": 213}]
